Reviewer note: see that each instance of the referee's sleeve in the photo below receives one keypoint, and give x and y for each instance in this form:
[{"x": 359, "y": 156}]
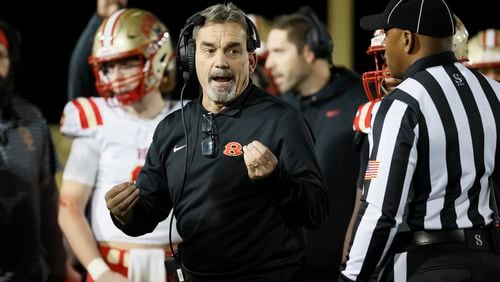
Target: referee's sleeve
[{"x": 387, "y": 179}]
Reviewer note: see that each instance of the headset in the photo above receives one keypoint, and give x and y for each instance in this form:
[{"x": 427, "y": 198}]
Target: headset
[
  {"x": 318, "y": 38},
  {"x": 186, "y": 46}
]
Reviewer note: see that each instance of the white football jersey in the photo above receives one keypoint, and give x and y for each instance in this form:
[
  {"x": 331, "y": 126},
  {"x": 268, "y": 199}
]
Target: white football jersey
[{"x": 110, "y": 147}]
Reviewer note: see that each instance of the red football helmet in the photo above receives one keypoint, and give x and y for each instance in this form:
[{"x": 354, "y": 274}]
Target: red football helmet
[
  {"x": 372, "y": 80},
  {"x": 133, "y": 33}
]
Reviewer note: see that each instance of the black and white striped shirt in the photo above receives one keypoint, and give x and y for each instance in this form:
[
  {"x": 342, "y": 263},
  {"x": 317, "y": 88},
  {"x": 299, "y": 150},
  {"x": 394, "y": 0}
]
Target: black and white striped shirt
[{"x": 433, "y": 145}]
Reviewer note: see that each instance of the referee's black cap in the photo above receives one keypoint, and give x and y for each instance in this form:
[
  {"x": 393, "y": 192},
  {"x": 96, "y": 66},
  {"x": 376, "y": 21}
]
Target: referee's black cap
[{"x": 427, "y": 17}]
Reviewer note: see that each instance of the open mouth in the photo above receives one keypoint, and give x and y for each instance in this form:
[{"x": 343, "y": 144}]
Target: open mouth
[{"x": 222, "y": 79}]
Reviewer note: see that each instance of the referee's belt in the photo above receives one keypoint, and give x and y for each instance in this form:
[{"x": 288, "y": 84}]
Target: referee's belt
[
  {"x": 423, "y": 238},
  {"x": 474, "y": 238}
]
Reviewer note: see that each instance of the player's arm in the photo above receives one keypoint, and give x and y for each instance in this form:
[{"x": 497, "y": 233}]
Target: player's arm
[
  {"x": 76, "y": 188},
  {"x": 78, "y": 179},
  {"x": 73, "y": 222}
]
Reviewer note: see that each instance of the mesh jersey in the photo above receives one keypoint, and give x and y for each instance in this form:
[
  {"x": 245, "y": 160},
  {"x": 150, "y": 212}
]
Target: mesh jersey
[{"x": 109, "y": 147}]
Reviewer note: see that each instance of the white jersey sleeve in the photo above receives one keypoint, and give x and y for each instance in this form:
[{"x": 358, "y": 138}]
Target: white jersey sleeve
[
  {"x": 83, "y": 161},
  {"x": 81, "y": 117}
]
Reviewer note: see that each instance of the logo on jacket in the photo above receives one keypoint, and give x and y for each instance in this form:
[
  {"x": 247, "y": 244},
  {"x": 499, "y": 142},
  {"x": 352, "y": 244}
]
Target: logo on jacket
[
  {"x": 233, "y": 149},
  {"x": 332, "y": 113},
  {"x": 177, "y": 148}
]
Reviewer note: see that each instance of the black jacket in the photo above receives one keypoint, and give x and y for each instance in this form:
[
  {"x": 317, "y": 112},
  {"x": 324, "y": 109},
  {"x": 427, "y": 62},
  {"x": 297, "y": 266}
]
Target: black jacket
[{"x": 232, "y": 226}]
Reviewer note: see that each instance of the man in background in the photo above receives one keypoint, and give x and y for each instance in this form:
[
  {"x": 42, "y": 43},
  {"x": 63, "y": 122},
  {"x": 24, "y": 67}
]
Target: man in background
[
  {"x": 31, "y": 245},
  {"x": 300, "y": 61}
]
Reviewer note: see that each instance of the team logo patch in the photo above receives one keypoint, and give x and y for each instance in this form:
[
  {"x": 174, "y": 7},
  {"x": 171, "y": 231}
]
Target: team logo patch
[
  {"x": 372, "y": 169},
  {"x": 233, "y": 149}
]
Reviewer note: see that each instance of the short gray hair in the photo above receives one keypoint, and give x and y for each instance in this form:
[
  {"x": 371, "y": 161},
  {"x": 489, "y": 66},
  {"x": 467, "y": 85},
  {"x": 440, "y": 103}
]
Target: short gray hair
[{"x": 220, "y": 13}]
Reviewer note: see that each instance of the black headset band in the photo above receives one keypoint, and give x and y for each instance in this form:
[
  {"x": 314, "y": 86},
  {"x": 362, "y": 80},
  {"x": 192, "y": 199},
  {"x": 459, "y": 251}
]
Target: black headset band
[
  {"x": 318, "y": 38},
  {"x": 186, "y": 45}
]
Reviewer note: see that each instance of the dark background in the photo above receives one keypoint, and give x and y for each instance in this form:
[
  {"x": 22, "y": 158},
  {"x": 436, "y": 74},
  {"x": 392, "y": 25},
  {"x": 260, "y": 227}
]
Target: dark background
[{"x": 50, "y": 30}]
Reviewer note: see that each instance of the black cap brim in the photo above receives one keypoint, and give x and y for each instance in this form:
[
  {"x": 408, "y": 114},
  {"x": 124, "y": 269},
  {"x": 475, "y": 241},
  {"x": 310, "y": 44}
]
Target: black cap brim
[{"x": 374, "y": 22}]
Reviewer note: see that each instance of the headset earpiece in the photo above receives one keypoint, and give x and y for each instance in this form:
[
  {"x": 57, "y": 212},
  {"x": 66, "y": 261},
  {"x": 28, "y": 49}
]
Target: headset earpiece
[
  {"x": 253, "y": 41},
  {"x": 186, "y": 46},
  {"x": 319, "y": 39}
]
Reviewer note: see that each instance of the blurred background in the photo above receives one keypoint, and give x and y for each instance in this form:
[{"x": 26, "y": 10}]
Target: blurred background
[{"x": 50, "y": 31}]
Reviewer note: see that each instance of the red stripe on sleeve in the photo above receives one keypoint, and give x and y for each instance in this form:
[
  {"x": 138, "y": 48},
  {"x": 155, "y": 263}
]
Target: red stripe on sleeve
[
  {"x": 96, "y": 111},
  {"x": 356, "y": 119},
  {"x": 83, "y": 118},
  {"x": 368, "y": 116}
]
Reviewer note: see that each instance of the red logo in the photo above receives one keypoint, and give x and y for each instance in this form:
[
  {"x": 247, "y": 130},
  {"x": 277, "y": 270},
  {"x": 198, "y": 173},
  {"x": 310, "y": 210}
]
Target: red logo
[
  {"x": 233, "y": 149},
  {"x": 332, "y": 113},
  {"x": 135, "y": 172}
]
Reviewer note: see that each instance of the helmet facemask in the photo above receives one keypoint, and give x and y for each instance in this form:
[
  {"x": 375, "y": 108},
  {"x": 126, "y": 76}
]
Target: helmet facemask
[
  {"x": 125, "y": 88},
  {"x": 372, "y": 80}
]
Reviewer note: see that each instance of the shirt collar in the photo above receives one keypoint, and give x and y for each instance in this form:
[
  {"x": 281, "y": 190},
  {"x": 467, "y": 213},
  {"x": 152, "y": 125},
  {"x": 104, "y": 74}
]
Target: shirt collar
[{"x": 430, "y": 61}]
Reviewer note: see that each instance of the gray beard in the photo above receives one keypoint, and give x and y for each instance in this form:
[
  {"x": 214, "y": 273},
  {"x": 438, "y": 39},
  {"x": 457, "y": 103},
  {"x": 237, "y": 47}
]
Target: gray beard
[{"x": 222, "y": 96}]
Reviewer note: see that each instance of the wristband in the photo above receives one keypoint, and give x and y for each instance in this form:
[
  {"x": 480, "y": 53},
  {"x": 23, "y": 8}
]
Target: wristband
[{"x": 96, "y": 268}]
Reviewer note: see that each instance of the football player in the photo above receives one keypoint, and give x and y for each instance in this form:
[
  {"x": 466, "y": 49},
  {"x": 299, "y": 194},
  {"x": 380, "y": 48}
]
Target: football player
[{"x": 133, "y": 60}]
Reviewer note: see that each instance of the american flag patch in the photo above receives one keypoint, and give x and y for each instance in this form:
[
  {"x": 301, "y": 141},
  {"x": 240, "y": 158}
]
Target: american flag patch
[{"x": 372, "y": 170}]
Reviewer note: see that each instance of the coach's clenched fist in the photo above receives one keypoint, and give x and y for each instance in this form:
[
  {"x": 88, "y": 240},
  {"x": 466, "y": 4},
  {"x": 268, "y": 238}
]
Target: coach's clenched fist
[{"x": 121, "y": 199}]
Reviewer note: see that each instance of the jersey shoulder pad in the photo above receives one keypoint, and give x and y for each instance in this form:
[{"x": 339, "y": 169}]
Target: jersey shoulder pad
[
  {"x": 82, "y": 116},
  {"x": 363, "y": 118}
]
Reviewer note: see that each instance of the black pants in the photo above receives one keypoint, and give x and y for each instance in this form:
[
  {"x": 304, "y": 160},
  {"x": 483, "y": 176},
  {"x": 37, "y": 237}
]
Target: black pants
[
  {"x": 445, "y": 261},
  {"x": 310, "y": 274},
  {"x": 282, "y": 275}
]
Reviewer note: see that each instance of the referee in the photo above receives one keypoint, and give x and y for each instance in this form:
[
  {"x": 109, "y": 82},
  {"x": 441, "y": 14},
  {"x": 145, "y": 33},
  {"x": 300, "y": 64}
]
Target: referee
[{"x": 433, "y": 159}]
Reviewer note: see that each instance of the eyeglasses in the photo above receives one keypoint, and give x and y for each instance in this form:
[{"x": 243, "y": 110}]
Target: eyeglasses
[{"x": 208, "y": 142}]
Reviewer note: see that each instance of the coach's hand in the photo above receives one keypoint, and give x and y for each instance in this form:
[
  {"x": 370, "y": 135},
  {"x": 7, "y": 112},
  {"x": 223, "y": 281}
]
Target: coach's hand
[
  {"x": 121, "y": 199},
  {"x": 260, "y": 161}
]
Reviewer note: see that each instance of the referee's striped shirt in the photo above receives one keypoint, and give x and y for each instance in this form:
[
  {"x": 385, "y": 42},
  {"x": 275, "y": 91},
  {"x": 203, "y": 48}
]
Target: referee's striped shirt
[{"x": 433, "y": 145}]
